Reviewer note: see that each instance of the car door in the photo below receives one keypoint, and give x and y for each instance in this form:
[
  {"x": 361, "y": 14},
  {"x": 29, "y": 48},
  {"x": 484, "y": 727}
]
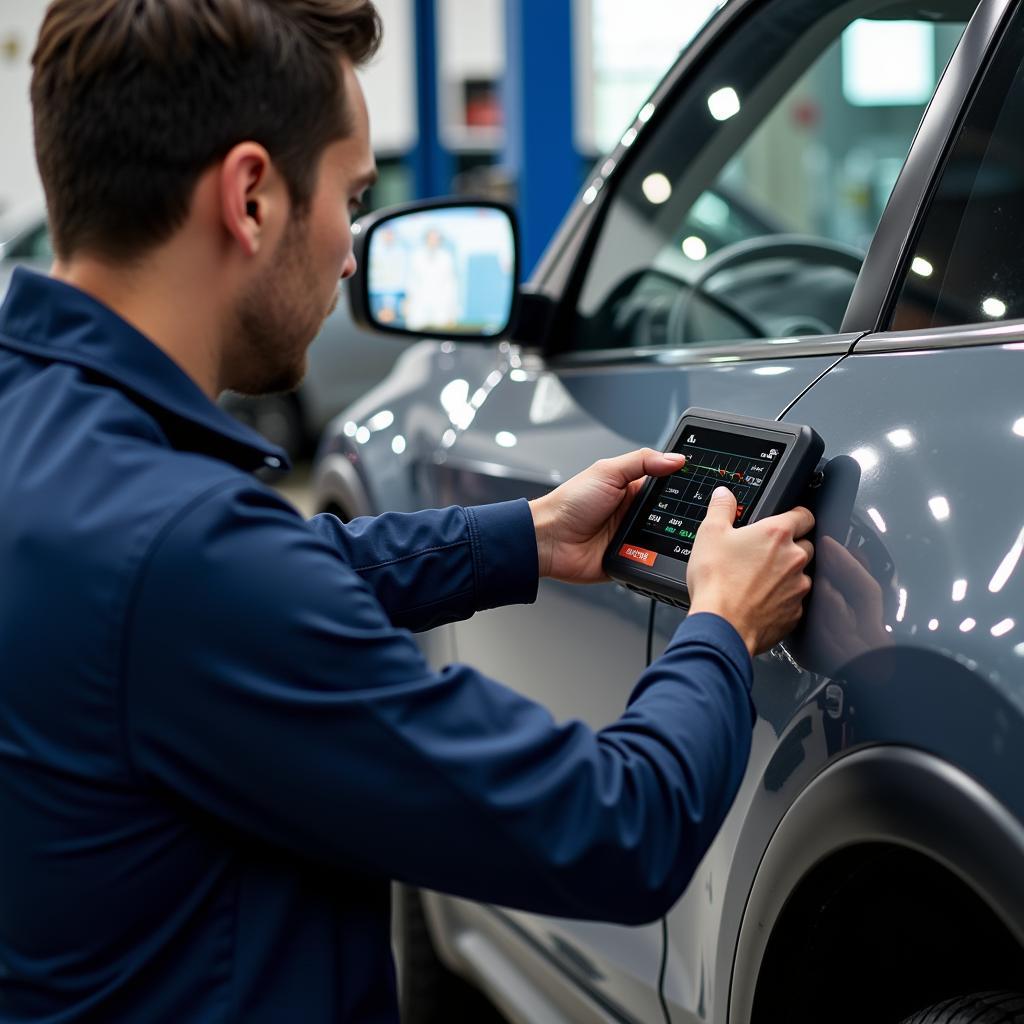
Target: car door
[
  {"x": 932, "y": 660},
  {"x": 710, "y": 263}
]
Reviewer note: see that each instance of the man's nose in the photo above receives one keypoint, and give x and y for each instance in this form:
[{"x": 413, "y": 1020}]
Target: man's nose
[{"x": 348, "y": 268}]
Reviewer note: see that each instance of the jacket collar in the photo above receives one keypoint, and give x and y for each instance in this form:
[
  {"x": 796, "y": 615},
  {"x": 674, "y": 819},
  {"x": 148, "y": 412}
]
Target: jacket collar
[{"x": 51, "y": 320}]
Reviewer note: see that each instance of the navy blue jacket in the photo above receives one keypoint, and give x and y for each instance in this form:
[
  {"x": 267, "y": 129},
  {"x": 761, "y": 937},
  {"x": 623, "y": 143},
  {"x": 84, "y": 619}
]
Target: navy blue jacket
[{"x": 219, "y": 740}]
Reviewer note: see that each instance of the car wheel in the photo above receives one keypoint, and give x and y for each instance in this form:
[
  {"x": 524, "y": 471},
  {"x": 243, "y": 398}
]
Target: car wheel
[
  {"x": 982, "y": 1008},
  {"x": 429, "y": 992}
]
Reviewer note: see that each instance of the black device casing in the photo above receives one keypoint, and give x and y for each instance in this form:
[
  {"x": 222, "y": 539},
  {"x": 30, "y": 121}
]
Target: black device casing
[{"x": 786, "y": 488}]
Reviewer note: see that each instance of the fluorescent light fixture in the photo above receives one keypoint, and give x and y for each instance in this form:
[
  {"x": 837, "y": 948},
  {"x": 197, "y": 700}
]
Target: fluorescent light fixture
[
  {"x": 1007, "y": 565},
  {"x": 994, "y": 308},
  {"x": 876, "y": 517},
  {"x": 695, "y": 248},
  {"x": 519, "y": 375},
  {"x": 1018, "y": 427},
  {"x": 1019, "y": 650},
  {"x": 363, "y": 435},
  {"x": 1002, "y": 628},
  {"x": 967, "y": 625},
  {"x": 382, "y": 420},
  {"x": 959, "y": 589},
  {"x": 506, "y": 439},
  {"x": 901, "y": 611},
  {"x": 448, "y": 438},
  {"x": 350, "y": 428},
  {"x": 398, "y": 444},
  {"x": 772, "y": 371},
  {"x": 939, "y": 507},
  {"x": 888, "y": 63},
  {"x": 901, "y": 438},
  {"x": 724, "y": 103},
  {"x": 933, "y": 624},
  {"x": 657, "y": 188},
  {"x": 922, "y": 267}
]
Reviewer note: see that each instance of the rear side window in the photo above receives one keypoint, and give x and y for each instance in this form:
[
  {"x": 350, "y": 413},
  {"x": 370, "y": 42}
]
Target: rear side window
[{"x": 967, "y": 266}]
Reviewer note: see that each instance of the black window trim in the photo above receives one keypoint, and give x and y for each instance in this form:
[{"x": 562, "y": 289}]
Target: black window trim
[{"x": 876, "y": 290}]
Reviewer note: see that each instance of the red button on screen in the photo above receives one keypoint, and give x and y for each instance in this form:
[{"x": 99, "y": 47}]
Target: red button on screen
[{"x": 635, "y": 554}]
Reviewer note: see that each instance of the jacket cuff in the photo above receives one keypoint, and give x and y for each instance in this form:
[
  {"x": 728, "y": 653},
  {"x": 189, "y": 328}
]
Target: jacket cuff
[
  {"x": 506, "y": 565},
  {"x": 716, "y": 632}
]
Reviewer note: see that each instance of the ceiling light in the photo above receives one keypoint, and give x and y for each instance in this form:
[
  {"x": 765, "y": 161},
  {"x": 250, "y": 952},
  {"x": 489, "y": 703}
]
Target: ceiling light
[
  {"x": 901, "y": 438},
  {"x": 724, "y": 103},
  {"x": 876, "y": 517},
  {"x": 657, "y": 188},
  {"x": 939, "y": 507},
  {"x": 695, "y": 248}
]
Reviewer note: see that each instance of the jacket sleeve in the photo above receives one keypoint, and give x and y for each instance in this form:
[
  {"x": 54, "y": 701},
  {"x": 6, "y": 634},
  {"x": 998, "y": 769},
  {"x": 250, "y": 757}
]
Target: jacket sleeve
[
  {"x": 265, "y": 685},
  {"x": 442, "y": 565}
]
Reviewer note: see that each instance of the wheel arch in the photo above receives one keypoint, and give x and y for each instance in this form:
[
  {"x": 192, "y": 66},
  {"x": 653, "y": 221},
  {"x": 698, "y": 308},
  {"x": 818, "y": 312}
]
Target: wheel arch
[{"x": 881, "y": 797}]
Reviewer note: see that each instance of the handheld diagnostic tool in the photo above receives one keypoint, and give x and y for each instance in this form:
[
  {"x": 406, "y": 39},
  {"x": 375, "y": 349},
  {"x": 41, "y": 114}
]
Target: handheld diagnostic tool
[{"x": 767, "y": 465}]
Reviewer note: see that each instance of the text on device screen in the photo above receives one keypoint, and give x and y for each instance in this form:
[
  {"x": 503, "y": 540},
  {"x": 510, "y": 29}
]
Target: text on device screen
[{"x": 667, "y": 522}]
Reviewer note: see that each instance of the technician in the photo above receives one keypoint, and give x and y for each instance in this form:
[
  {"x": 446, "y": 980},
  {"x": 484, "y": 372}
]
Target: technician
[{"x": 218, "y": 738}]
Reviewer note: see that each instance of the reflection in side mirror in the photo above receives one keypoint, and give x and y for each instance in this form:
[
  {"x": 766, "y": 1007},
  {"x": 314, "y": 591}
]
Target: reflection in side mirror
[{"x": 447, "y": 270}]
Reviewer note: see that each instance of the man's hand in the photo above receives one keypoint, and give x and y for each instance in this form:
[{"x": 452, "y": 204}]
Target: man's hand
[
  {"x": 752, "y": 576},
  {"x": 575, "y": 523}
]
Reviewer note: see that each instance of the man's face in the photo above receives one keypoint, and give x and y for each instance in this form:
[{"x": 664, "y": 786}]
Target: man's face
[{"x": 285, "y": 305}]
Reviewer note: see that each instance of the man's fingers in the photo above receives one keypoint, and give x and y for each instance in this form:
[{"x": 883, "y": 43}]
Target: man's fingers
[
  {"x": 721, "y": 508},
  {"x": 623, "y": 469},
  {"x": 798, "y": 521},
  {"x": 807, "y": 548}
]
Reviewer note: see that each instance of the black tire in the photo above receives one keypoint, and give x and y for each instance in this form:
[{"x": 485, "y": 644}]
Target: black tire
[
  {"x": 981, "y": 1008},
  {"x": 429, "y": 992}
]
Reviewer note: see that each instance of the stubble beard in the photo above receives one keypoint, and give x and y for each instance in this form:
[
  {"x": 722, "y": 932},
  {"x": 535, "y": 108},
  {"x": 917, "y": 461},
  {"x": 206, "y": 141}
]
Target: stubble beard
[{"x": 275, "y": 321}]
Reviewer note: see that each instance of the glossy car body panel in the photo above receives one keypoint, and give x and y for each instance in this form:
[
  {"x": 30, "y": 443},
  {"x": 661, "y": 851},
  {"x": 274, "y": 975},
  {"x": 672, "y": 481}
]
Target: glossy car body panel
[{"x": 908, "y": 419}]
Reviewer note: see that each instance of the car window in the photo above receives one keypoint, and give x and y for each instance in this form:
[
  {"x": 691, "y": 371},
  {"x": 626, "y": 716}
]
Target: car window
[
  {"x": 747, "y": 213},
  {"x": 33, "y": 245},
  {"x": 967, "y": 265}
]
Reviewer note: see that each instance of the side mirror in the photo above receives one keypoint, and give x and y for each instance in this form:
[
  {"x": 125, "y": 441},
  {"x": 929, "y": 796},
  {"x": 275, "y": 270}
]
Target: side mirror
[{"x": 437, "y": 269}]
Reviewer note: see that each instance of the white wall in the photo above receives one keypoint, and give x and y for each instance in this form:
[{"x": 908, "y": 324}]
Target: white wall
[
  {"x": 19, "y": 25},
  {"x": 390, "y": 81}
]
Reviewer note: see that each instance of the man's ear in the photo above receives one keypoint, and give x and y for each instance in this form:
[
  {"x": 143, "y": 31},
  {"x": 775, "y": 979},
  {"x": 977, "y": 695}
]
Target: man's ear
[{"x": 252, "y": 204}]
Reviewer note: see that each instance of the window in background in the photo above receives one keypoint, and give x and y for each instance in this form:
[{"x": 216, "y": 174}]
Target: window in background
[{"x": 623, "y": 51}]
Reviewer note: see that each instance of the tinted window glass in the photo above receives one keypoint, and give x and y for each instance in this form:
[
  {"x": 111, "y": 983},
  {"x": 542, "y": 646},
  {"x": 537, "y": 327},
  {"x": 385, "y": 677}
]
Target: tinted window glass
[
  {"x": 34, "y": 245},
  {"x": 747, "y": 214},
  {"x": 967, "y": 265}
]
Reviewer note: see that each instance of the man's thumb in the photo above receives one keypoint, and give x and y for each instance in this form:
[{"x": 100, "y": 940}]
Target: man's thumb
[{"x": 722, "y": 507}]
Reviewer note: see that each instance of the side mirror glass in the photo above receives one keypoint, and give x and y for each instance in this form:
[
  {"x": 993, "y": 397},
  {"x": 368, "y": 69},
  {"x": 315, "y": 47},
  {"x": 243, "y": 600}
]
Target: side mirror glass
[{"x": 444, "y": 269}]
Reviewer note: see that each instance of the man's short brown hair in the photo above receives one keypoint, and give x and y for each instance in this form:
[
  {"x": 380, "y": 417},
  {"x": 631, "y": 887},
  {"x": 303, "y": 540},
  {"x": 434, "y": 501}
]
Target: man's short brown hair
[{"x": 134, "y": 99}]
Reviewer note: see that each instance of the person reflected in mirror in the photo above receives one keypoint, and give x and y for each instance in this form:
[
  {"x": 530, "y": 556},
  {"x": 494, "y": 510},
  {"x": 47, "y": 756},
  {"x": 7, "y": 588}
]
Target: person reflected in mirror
[
  {"x": 388, "y": 277},
  {"x": 433, "y": 301}
]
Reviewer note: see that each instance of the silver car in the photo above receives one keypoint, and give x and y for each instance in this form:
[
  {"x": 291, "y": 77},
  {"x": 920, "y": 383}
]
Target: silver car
[{"x": 871, "y": 867}]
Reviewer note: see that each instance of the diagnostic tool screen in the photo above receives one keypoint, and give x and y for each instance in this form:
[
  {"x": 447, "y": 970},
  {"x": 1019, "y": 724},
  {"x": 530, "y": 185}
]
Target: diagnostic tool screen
[{"x": 667, "y": 522}]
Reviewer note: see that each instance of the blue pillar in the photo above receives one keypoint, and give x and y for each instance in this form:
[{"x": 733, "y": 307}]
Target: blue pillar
[
  {"x": 540, "y": 152},
  {"x": 431, "y": 163}
]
